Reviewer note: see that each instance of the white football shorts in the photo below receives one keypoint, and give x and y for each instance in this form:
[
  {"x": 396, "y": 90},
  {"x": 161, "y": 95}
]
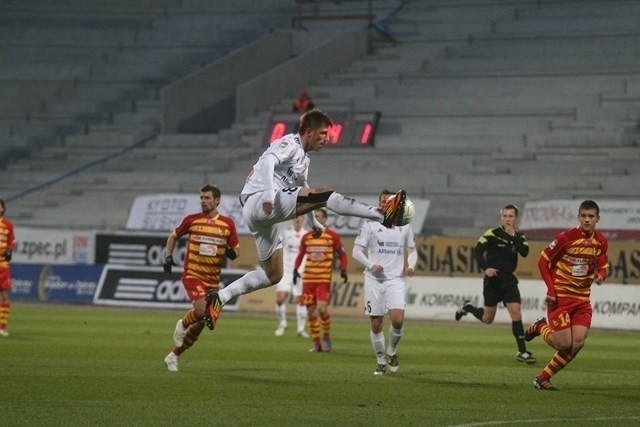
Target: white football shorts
[
  {"x": 268, "y": 230},
  {"x": 286, "y": 284},
  {"x": 380, "y": 297}
]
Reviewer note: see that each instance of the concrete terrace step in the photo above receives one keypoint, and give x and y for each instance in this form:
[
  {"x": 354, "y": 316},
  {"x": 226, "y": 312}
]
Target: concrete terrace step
[
  {"x": 391, "y": 124},
  {"x": 544, "y": 48},
  {"x": 577, "y": 25},
  {"x": 568, "y": 10},
  {"x": 506, "y": 105},
  {"x": 449, "y": 142},
  {"x": 531, "y": 66}
]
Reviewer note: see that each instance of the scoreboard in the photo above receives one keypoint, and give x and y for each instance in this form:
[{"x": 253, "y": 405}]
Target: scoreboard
[{"x": 350, "y": 129}]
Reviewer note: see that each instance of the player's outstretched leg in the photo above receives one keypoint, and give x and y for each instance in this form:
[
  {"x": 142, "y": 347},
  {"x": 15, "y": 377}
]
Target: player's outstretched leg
[{"x": 213, "y": 309}]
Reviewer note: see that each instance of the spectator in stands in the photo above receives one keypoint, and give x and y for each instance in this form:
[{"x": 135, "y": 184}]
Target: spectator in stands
[
  {"x": 290, "y": 244},
  {"x": 497, "y": 255},
  {"x": 211, "y": 237},
  {"x": 7, "y": 242},
  {"x": 277, "y": 191},
  {"x": 303, "y": 103},
  {"x": 384, "y": 286},
  {"x": 575, "y": 260},
  {"x": 318, "y": 253}
]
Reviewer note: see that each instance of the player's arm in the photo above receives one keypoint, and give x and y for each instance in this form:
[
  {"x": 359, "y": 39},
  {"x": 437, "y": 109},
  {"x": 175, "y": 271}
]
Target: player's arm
[
  {"x": 412, "y": 260},
  {"x": 602, "y": 264},
  {"x": 412, "y": 254},
  {"x": 545, "y": 272},
  {"x": 521, "y": 244},
  {"x": 266, "y": 169},
  {"x": 550, "y": 255},
  {"x": 232, "y": 251},
  {"x": 11, "y": 242},
  {"x": 358, "y": 254},
  {"x": 479, "y": 251},
  {"x": 11, "y": 238},
  {"x": 302, "y": 250},
  {"x": 168, "y": 252},
  {"x": 342, "y": 253}
]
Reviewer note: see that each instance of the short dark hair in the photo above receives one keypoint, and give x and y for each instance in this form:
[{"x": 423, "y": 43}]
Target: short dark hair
[
  {"x": 510, "y": 206},
  {"x": 3, "y": 207},
  {"x": 589, "y": 205},
  {"x": 323, "y": 211},
  {"x": 313, "y": 119},
  {"x": 385, "y": 192},
  {"x": 214, "y": 190}
]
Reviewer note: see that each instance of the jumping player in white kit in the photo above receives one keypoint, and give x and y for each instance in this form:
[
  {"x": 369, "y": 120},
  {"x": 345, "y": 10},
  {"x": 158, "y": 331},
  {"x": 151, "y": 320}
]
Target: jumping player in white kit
[
  {"x": 384, "y": 286},
  {"x": 276, "y": 191}
]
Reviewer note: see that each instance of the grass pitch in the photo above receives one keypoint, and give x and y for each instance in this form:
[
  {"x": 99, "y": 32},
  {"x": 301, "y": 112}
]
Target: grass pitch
[{"x": 84, "y": 365}]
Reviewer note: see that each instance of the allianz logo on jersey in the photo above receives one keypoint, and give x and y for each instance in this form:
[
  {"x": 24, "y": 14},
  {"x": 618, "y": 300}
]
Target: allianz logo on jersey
[
  {"x": 385, "y": 248},
  {"x": 386, "y": 251}
]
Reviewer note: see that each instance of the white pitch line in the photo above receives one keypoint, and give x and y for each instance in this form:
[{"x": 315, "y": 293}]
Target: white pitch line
[{"x": 547, "y": 420}]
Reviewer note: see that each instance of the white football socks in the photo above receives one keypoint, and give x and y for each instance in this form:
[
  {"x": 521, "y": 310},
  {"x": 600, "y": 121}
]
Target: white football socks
[
  {"x": 347, "y": 206},
  {"x": 253, "y": 280},
  {"x": 301, "y": 317},
  {"x": 395, "y": 335},
  {"x": 377, "y": 340},
  {"x": 281, "y": 313}
]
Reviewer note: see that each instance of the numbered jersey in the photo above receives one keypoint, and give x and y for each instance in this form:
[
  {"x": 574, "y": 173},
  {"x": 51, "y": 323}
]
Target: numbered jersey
[
  {"x": 319, "y": 256},
  {"x": 575, "y": 260},
  {"x": 290, "y": 170},
  {"x": 385, "y": 247},
  {"x": 208, "y": 240}
]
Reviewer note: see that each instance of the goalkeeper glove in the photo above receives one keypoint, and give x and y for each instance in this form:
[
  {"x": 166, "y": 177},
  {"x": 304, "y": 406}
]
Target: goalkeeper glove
[
  {"x": 7, "y": 255},
  {"x": 344, "y": 275},
  {"x": 168, "y": 262},
  {"x": 230, "y": 253},
  {"x": 296, "y": 276}
]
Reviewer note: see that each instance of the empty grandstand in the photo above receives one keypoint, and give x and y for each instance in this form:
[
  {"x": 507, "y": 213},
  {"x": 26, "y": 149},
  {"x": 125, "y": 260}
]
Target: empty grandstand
[{"x": 480, "y": 102}]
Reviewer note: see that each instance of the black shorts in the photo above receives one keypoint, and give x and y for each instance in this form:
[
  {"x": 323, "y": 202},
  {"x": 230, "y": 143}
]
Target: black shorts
[{"x": 500, "y": 288}]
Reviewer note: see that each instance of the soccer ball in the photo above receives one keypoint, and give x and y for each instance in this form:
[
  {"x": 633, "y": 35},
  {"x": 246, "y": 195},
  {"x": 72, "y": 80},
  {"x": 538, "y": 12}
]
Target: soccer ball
[{"x": 409, "y": 212}]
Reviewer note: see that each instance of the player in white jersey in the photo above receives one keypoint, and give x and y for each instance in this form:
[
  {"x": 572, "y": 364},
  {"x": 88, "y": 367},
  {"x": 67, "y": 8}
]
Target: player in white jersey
[
  {"x": 290, "y": 245},
  {"x": 384, "y": 287},
  {"x": 276, "y": 191}
]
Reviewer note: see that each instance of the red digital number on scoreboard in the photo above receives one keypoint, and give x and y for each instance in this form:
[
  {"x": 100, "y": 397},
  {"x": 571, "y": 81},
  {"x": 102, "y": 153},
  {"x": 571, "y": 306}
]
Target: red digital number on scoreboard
[{"x": 349, "y": 132}]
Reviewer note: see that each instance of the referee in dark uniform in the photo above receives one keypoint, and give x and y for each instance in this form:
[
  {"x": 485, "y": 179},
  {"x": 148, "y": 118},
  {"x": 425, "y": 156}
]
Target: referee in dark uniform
[{"x": 497, "y": 255}]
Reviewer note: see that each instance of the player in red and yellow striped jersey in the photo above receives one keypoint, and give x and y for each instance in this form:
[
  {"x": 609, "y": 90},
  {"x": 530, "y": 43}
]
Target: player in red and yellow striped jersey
[
  {"x": 575, "y": 260},
  {"x": 211, "y": 237},
  {"x": 316, "y": 279},
  {"x": 7, "y": 242}
]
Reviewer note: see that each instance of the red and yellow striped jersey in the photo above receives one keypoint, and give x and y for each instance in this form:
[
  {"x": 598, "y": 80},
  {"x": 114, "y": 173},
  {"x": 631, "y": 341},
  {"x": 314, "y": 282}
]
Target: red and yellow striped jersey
[
  {"x": 208, "y": 240},
  {"x": 7, "y": 240},
  {"x": 320, "y": 255},
  {"x": 575, "y": 259}
]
